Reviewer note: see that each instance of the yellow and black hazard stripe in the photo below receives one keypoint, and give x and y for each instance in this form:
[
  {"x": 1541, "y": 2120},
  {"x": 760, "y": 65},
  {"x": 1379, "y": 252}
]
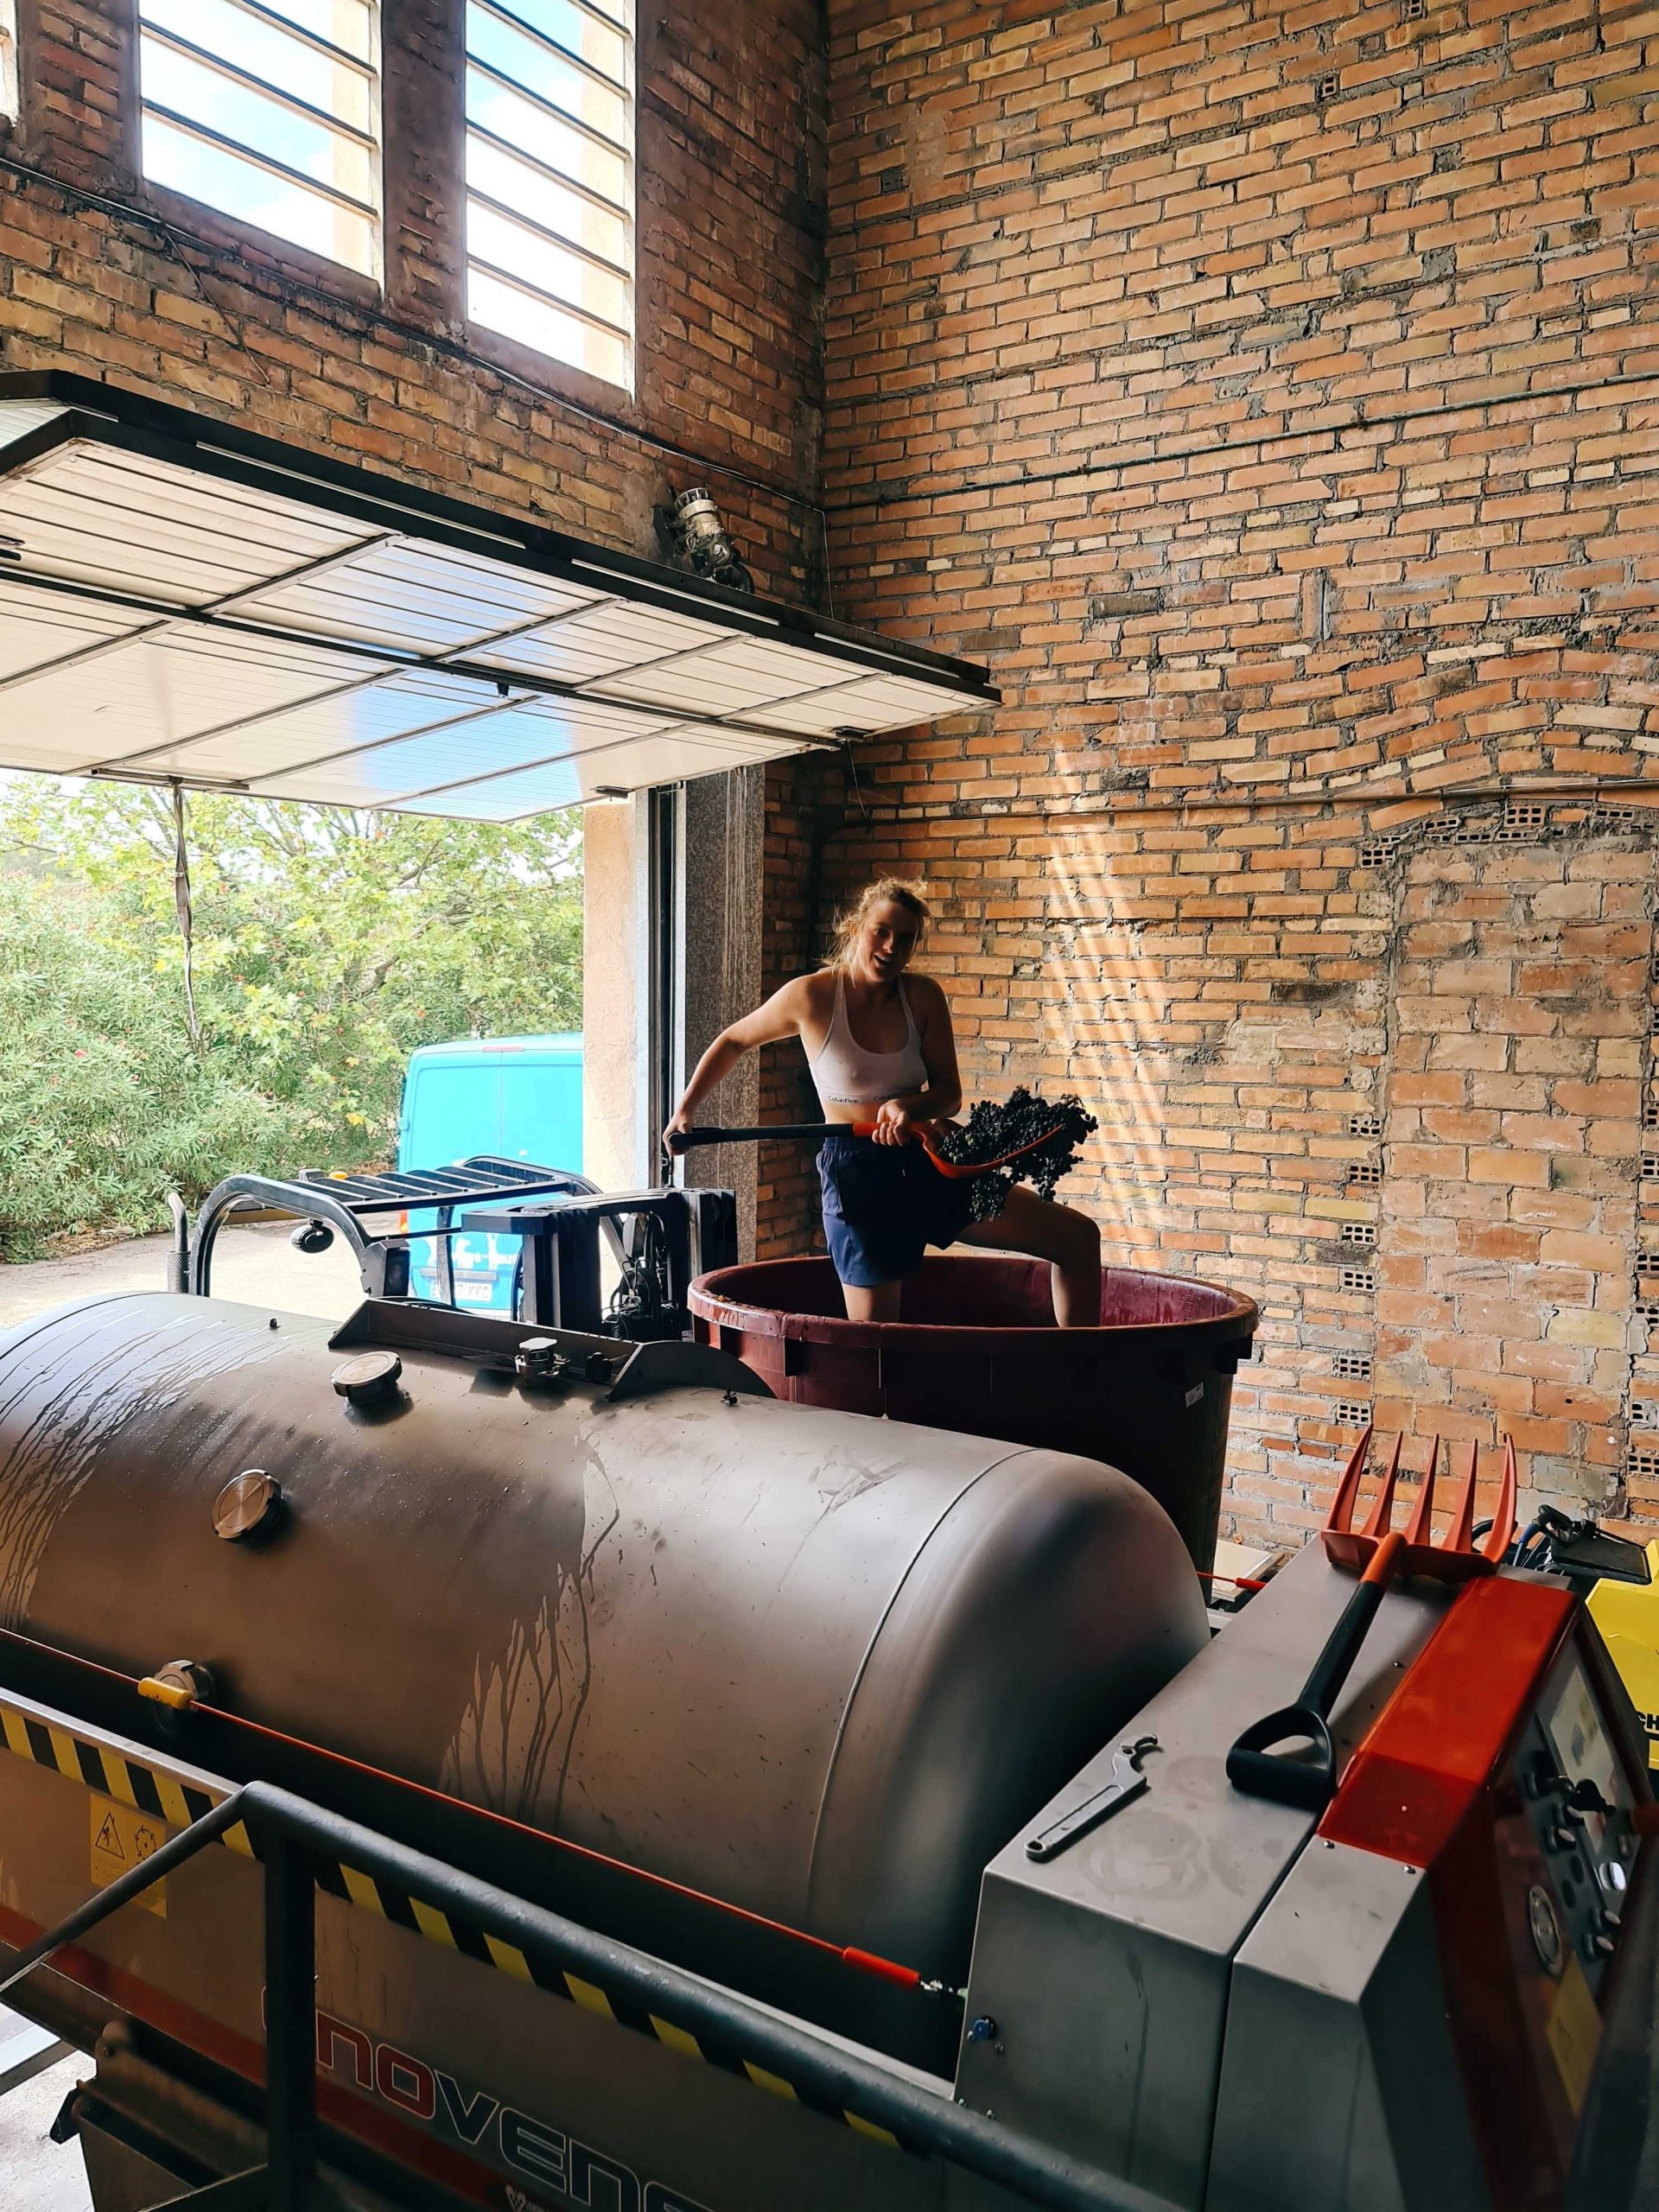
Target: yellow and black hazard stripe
[
  {"x": 144, "y": 1790},
  {"x": 165, "y": 1796},
  {"x": 544, "y": 1973}
]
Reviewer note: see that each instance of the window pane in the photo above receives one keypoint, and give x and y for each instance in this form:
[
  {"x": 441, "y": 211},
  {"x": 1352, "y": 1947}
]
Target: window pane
[
  {"x": 548, "y": 202},
  {"x": 253, "y": 195},
  {"x": 547, "y": 267},
  {"x": 603, "y": 231},
  {"x": 261, "y": 50},
  {"x": 221, "y": 123},
  {"x": 574, "y": 28},
  {"x": 505, "y": 115},
  {"x": 347, "y": 23},
  {"x": 540, "y": 69},
  {"x": 541, "y": 324},
  {"x": 203, "y": 94}
]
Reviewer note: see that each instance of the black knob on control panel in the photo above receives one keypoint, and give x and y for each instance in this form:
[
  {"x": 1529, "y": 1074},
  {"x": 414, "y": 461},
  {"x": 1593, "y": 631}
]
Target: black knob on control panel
[{"x": 1539, "y": 1776}]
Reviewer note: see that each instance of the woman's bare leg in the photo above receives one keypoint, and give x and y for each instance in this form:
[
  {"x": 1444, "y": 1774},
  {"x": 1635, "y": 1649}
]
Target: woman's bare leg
[
  {"x": 879, "y": 1303},
  {"x": 1060, "y": 1235}
]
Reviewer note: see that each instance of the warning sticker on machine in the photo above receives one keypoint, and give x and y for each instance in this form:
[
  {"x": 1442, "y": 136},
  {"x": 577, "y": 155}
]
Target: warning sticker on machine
[{"x": 123, "y": 1839}]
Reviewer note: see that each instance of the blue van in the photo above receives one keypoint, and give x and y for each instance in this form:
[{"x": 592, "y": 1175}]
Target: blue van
[{"x": 519, "y": 1098}]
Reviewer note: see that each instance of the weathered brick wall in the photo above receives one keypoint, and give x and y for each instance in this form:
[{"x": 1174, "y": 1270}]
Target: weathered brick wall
[
  {"x": 193, "y": 310},
  {"x": 1272, "y": 397},
  {"x": 1520, "y": 1029}
]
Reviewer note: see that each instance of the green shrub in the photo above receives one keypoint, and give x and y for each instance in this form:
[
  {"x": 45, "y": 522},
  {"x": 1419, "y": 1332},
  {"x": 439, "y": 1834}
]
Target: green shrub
[
  {"x": 104, "y": 1103},
  {"x": 326, "y": 947}
]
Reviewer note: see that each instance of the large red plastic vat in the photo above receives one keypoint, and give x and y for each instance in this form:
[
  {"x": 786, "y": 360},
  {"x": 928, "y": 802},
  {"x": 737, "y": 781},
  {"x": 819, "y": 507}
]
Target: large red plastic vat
[{"x": 1148, "y": 1391}]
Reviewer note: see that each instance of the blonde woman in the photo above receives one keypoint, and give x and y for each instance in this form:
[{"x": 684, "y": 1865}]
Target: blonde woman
[{"x": 880, "y": 1046}]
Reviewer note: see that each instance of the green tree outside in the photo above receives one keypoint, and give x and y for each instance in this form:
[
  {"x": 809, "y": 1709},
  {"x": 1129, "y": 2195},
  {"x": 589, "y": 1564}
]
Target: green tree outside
[{"x": 327, "y": 945}]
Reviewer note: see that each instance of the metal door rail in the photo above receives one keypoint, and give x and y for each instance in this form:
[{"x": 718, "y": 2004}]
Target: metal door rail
[{"x": 292, "y": 1837}]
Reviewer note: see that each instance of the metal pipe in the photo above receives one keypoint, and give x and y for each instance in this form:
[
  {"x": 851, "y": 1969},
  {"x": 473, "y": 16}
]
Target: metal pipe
[
  {"x": 291, "y": 2016},
  {"x": 178, "y": 1259},
  {"x": 234, "y": 1192},
  {"x": 703, "y": 1133}
]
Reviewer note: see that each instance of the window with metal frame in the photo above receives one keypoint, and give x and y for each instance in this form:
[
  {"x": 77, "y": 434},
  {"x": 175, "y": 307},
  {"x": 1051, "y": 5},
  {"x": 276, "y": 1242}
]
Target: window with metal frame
[
  {"x": 270, "y": 111},
  {"x": 549, "y": 178},
  {"x": 9, "y": 101}
]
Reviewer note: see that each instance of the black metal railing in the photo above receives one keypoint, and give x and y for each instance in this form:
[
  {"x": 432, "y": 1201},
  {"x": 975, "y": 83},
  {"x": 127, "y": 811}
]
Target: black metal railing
[{"x": 291, "y": 1837}]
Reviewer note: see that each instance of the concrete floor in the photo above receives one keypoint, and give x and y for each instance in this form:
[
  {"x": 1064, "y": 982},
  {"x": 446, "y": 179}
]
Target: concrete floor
[
  {"x": 257, "y": 1264},
  {"x": 37, "y": 2175}
]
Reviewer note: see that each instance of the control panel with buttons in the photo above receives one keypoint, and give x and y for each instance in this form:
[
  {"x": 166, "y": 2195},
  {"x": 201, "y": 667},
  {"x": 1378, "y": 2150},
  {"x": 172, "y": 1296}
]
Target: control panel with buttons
[{"x": 1579, "y": 1800}]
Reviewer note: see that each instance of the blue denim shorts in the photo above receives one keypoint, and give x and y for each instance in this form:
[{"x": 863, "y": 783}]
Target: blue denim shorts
[{"x": 883, "y": 1205}]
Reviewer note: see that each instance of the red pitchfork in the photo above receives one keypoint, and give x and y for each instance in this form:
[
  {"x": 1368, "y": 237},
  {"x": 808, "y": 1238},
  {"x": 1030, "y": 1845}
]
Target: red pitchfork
[
  {"x": 1454, "y": 1560},
  {"x": 1288, "y": 1755}
]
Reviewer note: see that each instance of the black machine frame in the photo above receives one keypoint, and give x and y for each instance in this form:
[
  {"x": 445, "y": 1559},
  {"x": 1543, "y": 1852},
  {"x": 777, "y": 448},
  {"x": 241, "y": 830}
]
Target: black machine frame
[{"x": 660, "y": 1240}]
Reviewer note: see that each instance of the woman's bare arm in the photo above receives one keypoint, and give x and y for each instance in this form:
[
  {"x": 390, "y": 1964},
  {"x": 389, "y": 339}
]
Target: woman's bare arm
[
  {"x": 944, "y": 1093},
  {"x": 779, "y": 1017}
]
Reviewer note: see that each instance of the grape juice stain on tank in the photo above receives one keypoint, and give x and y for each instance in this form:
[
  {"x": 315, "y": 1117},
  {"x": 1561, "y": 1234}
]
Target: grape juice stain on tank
[
  {"x": 76, "y": 1406},
  {"x": 512, "y": 1749},
  {"x": 845, "y": 1479}
]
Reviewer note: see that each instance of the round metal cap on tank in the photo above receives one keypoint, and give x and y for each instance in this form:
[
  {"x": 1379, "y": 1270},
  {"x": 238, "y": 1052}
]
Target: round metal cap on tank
[{"x": 820, "y": 1666}]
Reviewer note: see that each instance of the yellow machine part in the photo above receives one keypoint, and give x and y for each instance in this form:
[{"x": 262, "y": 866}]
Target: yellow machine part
[{"x": 1627, "y": 1613}]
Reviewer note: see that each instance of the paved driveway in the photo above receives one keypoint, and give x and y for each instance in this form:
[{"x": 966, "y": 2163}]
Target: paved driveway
[{"x": 257, "y": 1265}]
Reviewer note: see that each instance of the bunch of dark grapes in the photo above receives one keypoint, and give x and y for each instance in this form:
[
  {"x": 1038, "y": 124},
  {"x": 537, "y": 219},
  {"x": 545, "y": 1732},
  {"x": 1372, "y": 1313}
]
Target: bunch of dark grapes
[{"x": 1054, "y": 1127}]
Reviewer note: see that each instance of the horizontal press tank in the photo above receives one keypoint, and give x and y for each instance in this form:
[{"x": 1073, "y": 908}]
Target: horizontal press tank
[
  {"x": 818, "y": 1665},
  {"x": 1148, "y": 1391}
]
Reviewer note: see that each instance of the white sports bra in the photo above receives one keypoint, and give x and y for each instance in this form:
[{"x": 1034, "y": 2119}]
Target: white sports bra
[{"x": 847, "y": 1075}]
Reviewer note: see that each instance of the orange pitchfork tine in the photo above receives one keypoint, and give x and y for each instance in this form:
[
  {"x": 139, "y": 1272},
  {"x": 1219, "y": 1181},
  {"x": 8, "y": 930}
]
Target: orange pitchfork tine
[
  {"x": 1288, "y": 1756},
  {"x": 1455, "y": 1559}
]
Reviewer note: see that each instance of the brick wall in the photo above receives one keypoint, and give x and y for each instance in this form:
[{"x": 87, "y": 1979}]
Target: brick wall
[
  {"x": 1272, "y": 397},
  {"x": 188, "y": 307}
]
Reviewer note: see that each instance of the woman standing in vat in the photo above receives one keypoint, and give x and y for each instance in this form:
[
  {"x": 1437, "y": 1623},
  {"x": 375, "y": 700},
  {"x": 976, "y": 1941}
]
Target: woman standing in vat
[{"x": 880, "y": 1046}]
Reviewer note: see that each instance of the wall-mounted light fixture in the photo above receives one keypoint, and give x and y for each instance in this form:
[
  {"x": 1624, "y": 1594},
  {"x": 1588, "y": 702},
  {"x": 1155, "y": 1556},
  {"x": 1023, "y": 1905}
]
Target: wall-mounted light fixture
[{"x": 708, "y": 544}]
